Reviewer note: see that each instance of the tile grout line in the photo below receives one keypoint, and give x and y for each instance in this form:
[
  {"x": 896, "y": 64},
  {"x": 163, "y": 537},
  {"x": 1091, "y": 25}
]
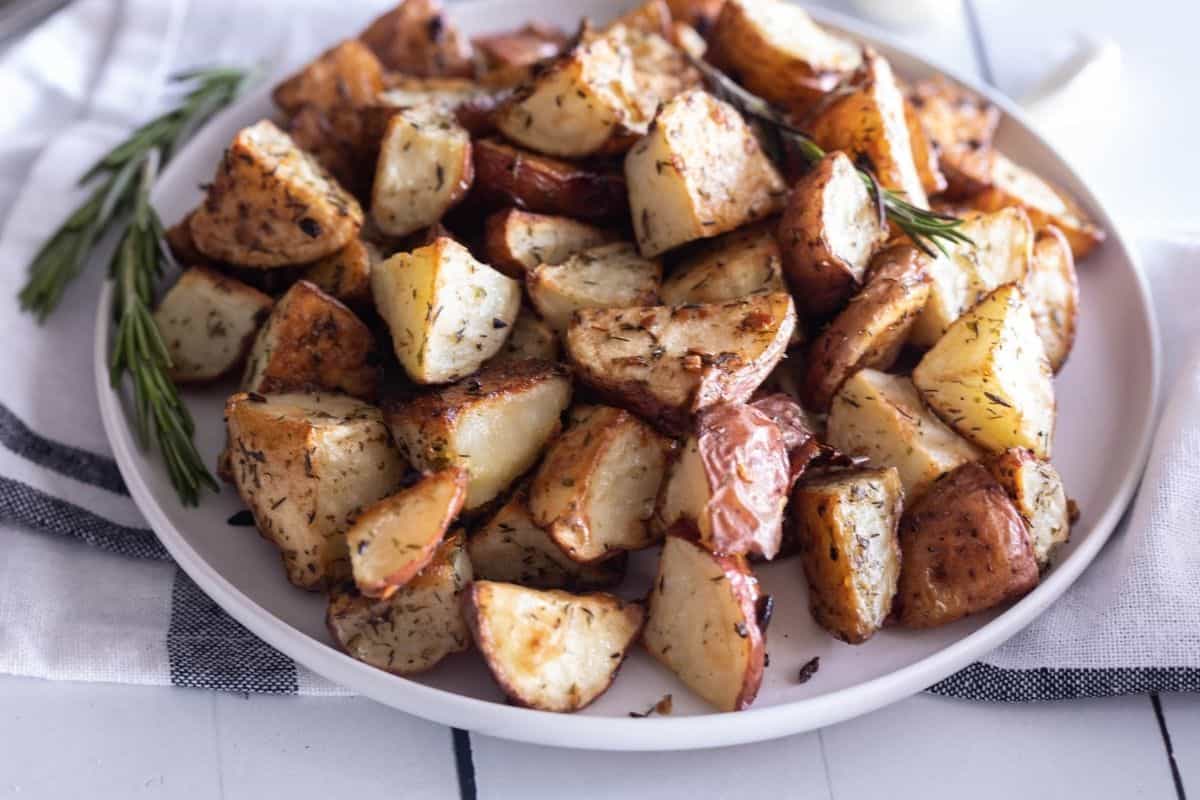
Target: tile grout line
[
  {"x": 1156, "y": 702},
  {"x": 975, "y": 32},
  {"x": 464, "y": 764}
]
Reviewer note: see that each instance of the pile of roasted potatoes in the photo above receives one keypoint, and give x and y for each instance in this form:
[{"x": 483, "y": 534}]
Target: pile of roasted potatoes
[{"x": 509, "y": 308}]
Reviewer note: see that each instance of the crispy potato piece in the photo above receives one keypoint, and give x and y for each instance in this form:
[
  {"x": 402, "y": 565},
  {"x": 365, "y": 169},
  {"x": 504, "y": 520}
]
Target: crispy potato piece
[
  {"x": 343, "y": 141},
  {"x": 870, "y": 331},
  {"x": 779, "y": 53},
  {"x": 1037, "y": 491},
  {"x": 828, "y": 233},
  {"x": 395, "y": 538},
  {"x": 698, "y": 173},
  {"x": 961, "y": 125},
  {"x": 653, "y": 16},
  {"x": 660, "y": 69},
  {"x": 312, "y": 341},
  {"x": 523, "y": 47},
  {"x": 271, "y": 204},
  {"x": 347, "y": 74},
  {"x": 207, "y": 321},
  {"x": 471, "y": 102},
  {"x": 729, "y": 267},
  {"x": 608, "y": 276},
  {"x": 847, "y": 524},
  {"x": 530, "y": 338},
  {"x": 415, "y": 628},
  {"x": 1052, "y": 291},
  {"x": 703, "y": 624},
  {"x": 730, "y": 482},
  {"x": 594, "y": 492},
  {"x": 346, "y": 274},
  {"x": 511, "y": 548},
  {"x": 550, "y": 650},
  {"x": 547, "y": 185},
  {"x": 447, "y": 312},
  {"x": 516, "y": 241},
  {"x": 882, "y": 417},
  {"x": 964, "y": 549},
  {"x": 416, "y": 38},
  {"x": 183, "y": 247},
  {"x": 493, "y": 424},
  {"x": 925, "y": 153},
  {"x": 989, "y": 379},
  {"x": 666, "y": 363},
  {"x": 305, "y": 465}
]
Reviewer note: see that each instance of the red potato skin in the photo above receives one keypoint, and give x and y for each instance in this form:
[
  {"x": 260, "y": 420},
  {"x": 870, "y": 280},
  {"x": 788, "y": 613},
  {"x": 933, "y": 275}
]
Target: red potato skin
[{"x": 546, "y": 185}]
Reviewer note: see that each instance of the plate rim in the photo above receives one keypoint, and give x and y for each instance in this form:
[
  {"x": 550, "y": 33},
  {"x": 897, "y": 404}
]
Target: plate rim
[{"x": 660, "y": 733}]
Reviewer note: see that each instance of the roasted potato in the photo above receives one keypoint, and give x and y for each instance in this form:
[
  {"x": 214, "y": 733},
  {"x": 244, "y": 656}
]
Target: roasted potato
[
  {"x": 847, "y": 524},
  {"x": 550, "y": 650},
  {"x": 183, "y": 247},
  {"x": 607, "y": 276},
  {"x": 1037, "y": 491},
  {"x": 272, "y": 205},
  {"x": 660, "y": 69},
  {"x": 988, "y": 377},
  {"x": 653, "y": 16},
  {"x": 1052, "y": 291},
  {"x": 415, "y": 628},
  {"x": 447, "y": 312},
  {"x": 869, "y": 332},
  {"x": 881, "y": 416},
  {"x": 547, "y": 185},
  {"x": 961, "y": 125},
  {"x": 676, "y": 193},
  {"x": 526, "y": 46},
  {"x": 511, "y": 548},
  {"x": 666, "y": 363},
  {"x": 207, "y": 322},
  {"x": 493, "y": 424},
  {"x": 347, "y": 74},
  {"x": 703, "y": 623},
  {"x": 516, "y": 241},
  {"x": 394, "y": 539},
  {"x": 305, "y": 465},
  {"x": 925, "y": 153},
  {"x": 828, "y": 233},
  {"x": 312, "y": 341},
  {"x": 777, "y": 51},
  {"x": 530, "y": 338},
  {"x": 416, "y": 38},
  {"x": 343, "y": 140},
  {"x": 594, "y": 492},
  {"x": 346, "y": 274},
  {"x": 964, "y": 549},
  {"x": 729, "y": 267},
  {"x": 425, "y": 168}
]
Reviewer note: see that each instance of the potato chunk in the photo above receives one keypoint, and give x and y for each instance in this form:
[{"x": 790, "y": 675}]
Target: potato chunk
[
  {"x": 881, "y": 416},
  {"x": 847, "y": 524},
  {"x": 272, "y": 205},
  {"x": 416, "y": 38},
  {"x": 447, "y": 312},
  {"x": 347, "y": 74},
  {"x": 594, "y": 492},
  {"x": 729, "y": 267},
  {"x": 516, "y": 241},
  {"x": 666, "y": 363},
  {"x": 547, "y": 185},
  {"x": 608, "y": 276},
  {"x": 660, "y": 70},
  {"x": 530, "y": 338},
  {"x": 551, "y": 650},
  {"x": 961, "y": 125},
  {"x": 306, "y": 465},
  {"x": 698, "y": 173},
  {"x": 703, "y": 624},
  {"x": 207, "y": 321},
  {"x": 493, "y": 424},
  {"x": 346, "y": 274},
  {"x": 524, "y": 47},
  {"x": 989, "y": 379},
  {"x": 1037, "y": 491},
  {"x": 394, "y": 539},
  {"x": 415, "y": 628},
  {"x": 964, "y": 549},
  {"x": 1052, "y": 291}
]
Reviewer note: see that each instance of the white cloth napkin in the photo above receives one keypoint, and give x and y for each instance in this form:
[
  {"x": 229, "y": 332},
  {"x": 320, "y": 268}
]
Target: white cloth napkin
[{"x": 119, "y": 611}]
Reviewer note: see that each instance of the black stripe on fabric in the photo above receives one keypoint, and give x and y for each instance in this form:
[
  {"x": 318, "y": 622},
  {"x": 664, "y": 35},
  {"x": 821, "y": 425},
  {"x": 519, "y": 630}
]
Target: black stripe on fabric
[
  {"x": 22, "y": 504},
  {"x": 995, "y": 685},
  {"x": 208, "y": 649},
  {"x": 977, "y": 44},
  {"x": 464, "y": 763},
  {"x": 82, "y": 465},
  {"x": 1166, "y": 737}
]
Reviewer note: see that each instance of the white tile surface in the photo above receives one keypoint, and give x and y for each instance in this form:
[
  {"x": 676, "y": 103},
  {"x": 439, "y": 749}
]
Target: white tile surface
[{"x": 1182, "y": 713}]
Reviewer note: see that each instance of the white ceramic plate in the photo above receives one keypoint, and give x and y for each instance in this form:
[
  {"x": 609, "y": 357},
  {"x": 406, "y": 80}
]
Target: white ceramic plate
[{"x": 1106, "y": 399}]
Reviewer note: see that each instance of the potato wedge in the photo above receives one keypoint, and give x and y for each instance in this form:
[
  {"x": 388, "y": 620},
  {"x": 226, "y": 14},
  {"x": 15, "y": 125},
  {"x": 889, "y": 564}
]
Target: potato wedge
[
  {"x": 925, "y": 153},
  {"x": 511, "y": 548},
  {"x": 530, "y": 338},
  {"x": 312, "y": 341},
  {"x": 653, "y": 16},
  {"x": 447, "y": 312},
  {"x": 516, "y": 241},
  {"x": 416, "y": 38},
  {"x": 208, "y": 321},
  {"x": 607, "y": 276},
  {"x": 660, "y": 69},
  {"x": 869, "y": 332},
  {"x": 744, "y": 262},
  {"x": 524, "y": 47},
  {"x": 594, "y": 492},
  {"x": 1052, "y": 291},
  {"x": 847, "y": 524},
  {"x": 394, "y": 539},
  {"x": 415, "y": 628},
  {"x": 305, "y": 465},
  {"x": 1037, "y": 491},
  {"x": 272, "y": 205},
  {"x": 703, "y": 624},
  {"x": 493, "y": 424},
  {"x": 547, "y": 185},
  {"x": 343, "y": 140},
  {"x": 988, "y": 377},
  {"x": 346, "y": 274},
  {"x": 881, "y": 416},
  {"x": 961, "y": 125},
  {"x": 964, "y": 549},
  {"x": 828, "y": 233},
  {"x": 667, "y": 363},
  {"x": 347, "y": 74},
  {"x": 550, "y": 650},
  {"x": 676, "y": 192},
  {"x": 425, "y": 168}
]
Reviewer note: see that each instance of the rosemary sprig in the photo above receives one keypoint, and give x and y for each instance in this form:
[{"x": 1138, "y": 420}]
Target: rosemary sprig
[{"x": 927, "y": 229}]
